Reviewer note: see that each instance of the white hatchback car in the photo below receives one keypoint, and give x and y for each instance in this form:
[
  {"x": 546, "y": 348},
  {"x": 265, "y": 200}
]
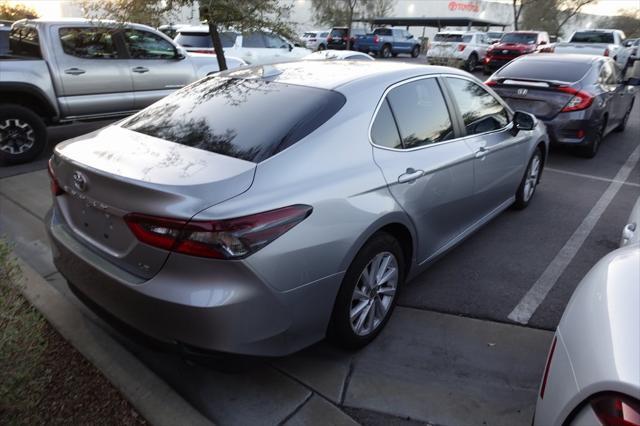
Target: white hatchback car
[
  {"x": 254, "y": 47},
  {"x": 592, "y": 374},
  {"x": 458, "y": 49}
]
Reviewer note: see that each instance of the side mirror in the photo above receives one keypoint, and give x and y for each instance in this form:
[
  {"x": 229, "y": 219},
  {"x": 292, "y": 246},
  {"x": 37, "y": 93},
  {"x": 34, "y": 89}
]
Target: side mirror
[
  {"x": 180, "y": 55},
  {"x": 522, "y": 121},
  {"x": 543, "y": 42},
  {"x": 290, "y": 47}
]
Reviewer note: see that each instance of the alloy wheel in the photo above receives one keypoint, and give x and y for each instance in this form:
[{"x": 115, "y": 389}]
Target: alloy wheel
[
  {"x": 374, "y": 293},
  {"x": 16, "y": 136},
  {"x": 531, "y": 181}
]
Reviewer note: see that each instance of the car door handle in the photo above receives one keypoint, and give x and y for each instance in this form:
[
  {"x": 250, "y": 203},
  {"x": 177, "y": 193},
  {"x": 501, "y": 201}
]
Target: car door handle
[
  {"x": 481, "y": 152},
  {"x": 74, "y": 71},
  {"x": 140, "y": 70},
  {"x": 410, "y": 175}
]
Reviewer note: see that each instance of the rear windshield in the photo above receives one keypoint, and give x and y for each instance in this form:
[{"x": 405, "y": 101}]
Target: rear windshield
[
  {"x": 519, "y": 38},
  {"x": 494, "y": 35},
  {"x": 382, "y": 31},
  {"x": 592, "y": 37},
  {"x": 249, "y": 119},
  {"x": 204, "y": 39},
  {"x": 24, "y": 42},
  {"x": 338, "y": 32},
  {"x": 453, "y": 38},
  {"x": 309, "y": 35},
  {"x": 544, "y": 70}
]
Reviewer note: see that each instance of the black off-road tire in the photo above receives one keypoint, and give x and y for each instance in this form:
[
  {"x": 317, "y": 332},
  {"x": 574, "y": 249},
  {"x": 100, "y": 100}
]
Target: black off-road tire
[{"x": 20, "y": 127}]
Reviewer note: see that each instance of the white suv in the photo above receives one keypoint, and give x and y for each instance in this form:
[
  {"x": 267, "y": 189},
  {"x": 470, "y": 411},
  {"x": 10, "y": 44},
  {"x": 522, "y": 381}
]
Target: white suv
[
  {"x": 315, "y": 40},
  {"x": 458, "y": 49},
  {"x": 254, "y": 47}
]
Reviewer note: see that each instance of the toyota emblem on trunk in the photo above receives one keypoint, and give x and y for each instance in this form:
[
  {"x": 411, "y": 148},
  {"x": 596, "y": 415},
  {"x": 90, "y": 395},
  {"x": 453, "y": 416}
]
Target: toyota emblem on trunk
[
  {"x": 79, "y": 181},
  {"x": 523, "y": 92}
]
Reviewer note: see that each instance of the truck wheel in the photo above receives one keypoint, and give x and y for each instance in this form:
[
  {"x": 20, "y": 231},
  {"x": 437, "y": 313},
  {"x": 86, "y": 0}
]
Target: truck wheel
[
  {"x": 472, "y": 62},
  {"x": 23, "y": 135},
  {"x": 415, "y": 51},
  {"x": 385, "y": 52}
]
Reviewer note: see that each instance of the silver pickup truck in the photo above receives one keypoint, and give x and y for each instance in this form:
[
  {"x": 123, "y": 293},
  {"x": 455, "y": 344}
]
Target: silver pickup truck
[
  {"x": 69, "y": 69},
  {"x": 594, "y": 42}
]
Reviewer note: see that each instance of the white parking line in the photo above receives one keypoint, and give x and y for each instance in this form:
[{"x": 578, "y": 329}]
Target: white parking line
[
  {"x": 537, "y": 293},
  {"x": 583, "y": 175}
]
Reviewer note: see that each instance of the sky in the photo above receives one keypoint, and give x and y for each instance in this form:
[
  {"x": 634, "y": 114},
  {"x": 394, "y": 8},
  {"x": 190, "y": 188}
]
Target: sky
[{"x": 53, "y": 9}]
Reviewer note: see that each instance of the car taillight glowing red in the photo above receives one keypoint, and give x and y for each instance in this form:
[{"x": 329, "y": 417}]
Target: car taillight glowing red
[
  {"x": 490, "y": 83},
  {"x": 376, "y": 39},
  {"x": 56, "y": 189},
  {"x": 616, "y": 410},
  {"x": 461, "y": 47},
  {"x": 547, "y": 367},
  {"x": 580, "y": 100},
  {"x": 606, "y": 52},
  {"x": 220, "y": 239}
]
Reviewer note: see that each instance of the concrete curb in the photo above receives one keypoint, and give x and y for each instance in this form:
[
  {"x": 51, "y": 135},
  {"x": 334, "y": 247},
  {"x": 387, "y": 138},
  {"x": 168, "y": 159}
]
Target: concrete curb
[{"x": 154, "y": 399}]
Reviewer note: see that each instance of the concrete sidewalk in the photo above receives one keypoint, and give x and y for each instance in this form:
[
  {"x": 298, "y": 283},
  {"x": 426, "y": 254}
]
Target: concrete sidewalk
[{"x": 425, "y": 367}]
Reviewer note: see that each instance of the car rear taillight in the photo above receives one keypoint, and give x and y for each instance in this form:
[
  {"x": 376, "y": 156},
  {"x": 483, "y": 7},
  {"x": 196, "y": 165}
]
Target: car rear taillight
[
  {"x": 616, "y": 410},
  {"x": 376, "y": 39},
  {"x": 547, "y": 367},
  {"x": 329, "y": 39},
  {"x": 490, "y": 83},
  {"x": 580, "y": 100},
  {"x": 220, "y": 239},
  {"x": 56, "y": 189},
  {"x": 461, "y": 47},
  {"x": 606, "y": 52}
]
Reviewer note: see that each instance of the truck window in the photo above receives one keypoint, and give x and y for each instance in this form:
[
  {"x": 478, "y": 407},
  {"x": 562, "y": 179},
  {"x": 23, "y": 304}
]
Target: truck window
[
  {"x": 146, "y": 45},
  {"x": 382, "y": 31},
  {"x": 24, "y": 42},
  {"x": 88, "y": 43},
  {"x": 592, "y": 37}
]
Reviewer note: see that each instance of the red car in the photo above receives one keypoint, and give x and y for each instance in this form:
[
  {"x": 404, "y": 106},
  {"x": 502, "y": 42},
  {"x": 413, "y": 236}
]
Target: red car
[{"x": 512, "y": 45}]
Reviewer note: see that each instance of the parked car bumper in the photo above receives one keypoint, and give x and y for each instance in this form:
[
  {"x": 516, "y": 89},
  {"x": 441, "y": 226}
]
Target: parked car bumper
[
  {"x": 572, "y": 128},
  {"x": 211, "y": 305},
  {"x": 446, "y": 61}
]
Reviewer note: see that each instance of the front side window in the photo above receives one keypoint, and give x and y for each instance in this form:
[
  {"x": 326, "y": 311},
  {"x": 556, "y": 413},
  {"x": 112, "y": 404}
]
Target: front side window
[
  {"x": 481, "y": 112},
  {"x": 146, "y": 45},
  {"x": 24, "y": 41},
  {"x": 275, "y": 42},
  {"x": 88, "y": 43},
  {"x": 421, "y": 113}
]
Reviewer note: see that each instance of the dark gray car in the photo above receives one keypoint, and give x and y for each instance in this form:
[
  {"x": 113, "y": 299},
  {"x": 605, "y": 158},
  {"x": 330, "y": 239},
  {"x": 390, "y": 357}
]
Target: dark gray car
[{"x": 581, "y": 98}]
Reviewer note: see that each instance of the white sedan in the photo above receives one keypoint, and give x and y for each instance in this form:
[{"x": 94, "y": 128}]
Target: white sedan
[
  {"x": 592, "y": 375},
  {"x": 341, "y": 55}
]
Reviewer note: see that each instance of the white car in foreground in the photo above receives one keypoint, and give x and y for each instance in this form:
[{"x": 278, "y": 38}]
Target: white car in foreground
[
  {"x": 458, "y": 49},
  {"x": 592, "y": 375},
  {"x": 253, "y": 47}
]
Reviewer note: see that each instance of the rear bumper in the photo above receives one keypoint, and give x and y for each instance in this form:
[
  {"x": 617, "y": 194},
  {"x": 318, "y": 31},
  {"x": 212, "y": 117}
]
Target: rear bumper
[
  {"x": 446, "y": 61},
  {"x": 220, "y": 306},
  {"x": 565, "y": 127}
]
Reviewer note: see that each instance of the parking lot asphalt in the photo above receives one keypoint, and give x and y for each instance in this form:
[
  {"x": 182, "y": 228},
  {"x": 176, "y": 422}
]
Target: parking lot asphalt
[{"x": 452, "y": 354}]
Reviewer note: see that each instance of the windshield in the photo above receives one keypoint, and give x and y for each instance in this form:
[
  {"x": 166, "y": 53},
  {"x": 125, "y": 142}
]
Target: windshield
[
  {"x": 187, "y": 39},
  {"x": 451, "y": 37},
  {"x": 226, "y": 116},
  {"x": 544, "y": 70},
  {"x": 592, "y": 37},
  {"x": 519, "y": 38},
  {"x": 494, "y": 35}
]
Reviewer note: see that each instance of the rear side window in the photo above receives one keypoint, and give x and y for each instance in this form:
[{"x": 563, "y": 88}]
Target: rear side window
[
  {"x": 421, "y": 113},
  {"x": 88, "y": 43},
  {"x": 204, "y": 39},
  {"x": 480, "y": 111},
  {"x": 382, "y": 31},
  {"x": 592, "y": 37},
  {"x": 227, "y": 116},
  {"x": 4, "y": 41},
  {"x": 544, "y": 70},
  {"x": 383, "y": 130},
  {"x": 24, "y": 41}
]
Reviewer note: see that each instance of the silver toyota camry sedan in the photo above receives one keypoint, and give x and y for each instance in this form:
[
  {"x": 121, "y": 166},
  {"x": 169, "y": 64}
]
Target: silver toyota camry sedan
[{"x": 260, "y": 210}]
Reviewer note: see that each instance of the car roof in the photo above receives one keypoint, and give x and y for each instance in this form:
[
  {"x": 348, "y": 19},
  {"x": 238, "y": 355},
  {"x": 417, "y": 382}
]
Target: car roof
[
  {"x": 524, "y": 32},
  {"x": 333, "y": 74},
  {"x": 562, "y": 57},
  {"x": 80, "y": 21}
]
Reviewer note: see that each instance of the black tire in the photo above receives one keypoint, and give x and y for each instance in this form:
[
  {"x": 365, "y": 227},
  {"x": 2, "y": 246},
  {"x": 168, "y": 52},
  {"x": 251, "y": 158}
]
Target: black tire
[
  {"x": 415, "y": 52},
  {"x": 471, "y": 63},
  {"x": 623, "y": 124},
  {"x": 394, "y": 54},
  {"x": 340, "y": 331},
  {"x": 321, "y": 47},
  {"x": 385, "y": 52},
  {"x": 523, "y": 196},
  {"x": 591, "y": 149},
  {"x": 23, "y": 134}
]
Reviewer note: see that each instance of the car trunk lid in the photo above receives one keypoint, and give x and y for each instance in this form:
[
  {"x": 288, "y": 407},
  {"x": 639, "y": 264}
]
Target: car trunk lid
[
  {"x": 114, "y": 171},
  {"x": 542, "y": 99}
]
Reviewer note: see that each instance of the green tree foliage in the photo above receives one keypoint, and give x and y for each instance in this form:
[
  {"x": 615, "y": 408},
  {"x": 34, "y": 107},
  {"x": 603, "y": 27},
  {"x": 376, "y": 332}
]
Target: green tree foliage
[{"x": 14, "y": 12}]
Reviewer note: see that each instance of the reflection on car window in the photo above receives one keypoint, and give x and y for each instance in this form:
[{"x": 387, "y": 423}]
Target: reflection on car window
[
  {"x": 384, "y": 131},
  {"x": 24, "y": 41},
  {"x": 88, "y": 43},
  {"x": 275, "y": 42},
  {"x": 480, "y": 111},
  {"x": 227, "y": 116},
  {"x": 146, "y": 45},
  {"x": 421, "y": 113}
]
